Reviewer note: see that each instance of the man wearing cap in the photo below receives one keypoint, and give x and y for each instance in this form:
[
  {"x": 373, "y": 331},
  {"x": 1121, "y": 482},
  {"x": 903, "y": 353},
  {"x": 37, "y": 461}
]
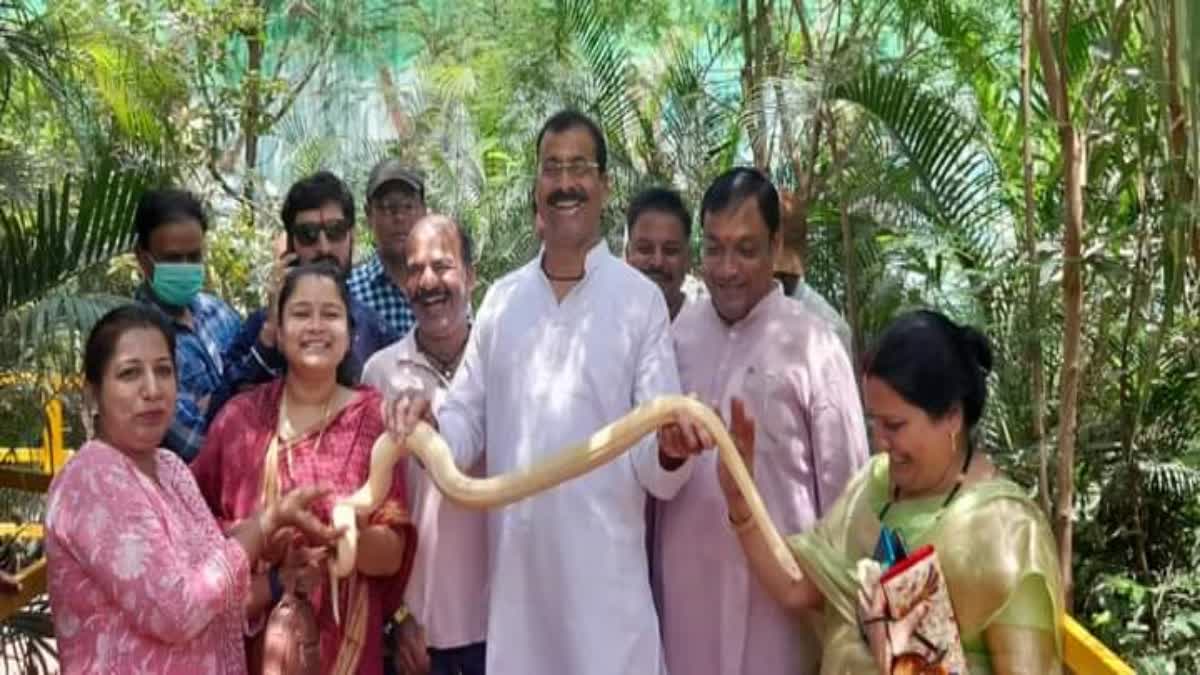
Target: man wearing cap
[{"x": 395, "y": 200}]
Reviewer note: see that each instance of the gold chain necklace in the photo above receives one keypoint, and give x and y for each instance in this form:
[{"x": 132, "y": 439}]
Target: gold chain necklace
[{"x": 287, "y": 442}]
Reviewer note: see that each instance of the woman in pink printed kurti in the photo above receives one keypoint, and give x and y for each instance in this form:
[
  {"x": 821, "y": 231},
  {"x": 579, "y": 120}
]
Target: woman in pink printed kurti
[{"x": 141, "y": 579}]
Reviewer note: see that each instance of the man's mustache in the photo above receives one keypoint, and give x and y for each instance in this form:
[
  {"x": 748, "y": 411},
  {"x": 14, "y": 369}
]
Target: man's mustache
[
  {"x": 427, "y": 296},
  {"x": 559, "y": 196},
  {"x": 330, "y": 259}
]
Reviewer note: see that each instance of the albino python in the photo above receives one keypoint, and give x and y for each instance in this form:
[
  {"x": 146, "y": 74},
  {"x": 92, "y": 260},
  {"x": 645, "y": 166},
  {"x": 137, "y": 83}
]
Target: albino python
[{"x": 494, "y": 491}]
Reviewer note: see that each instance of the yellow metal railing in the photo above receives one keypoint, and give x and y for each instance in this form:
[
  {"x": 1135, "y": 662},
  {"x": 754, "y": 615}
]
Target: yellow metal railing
[
  {"x": 31, "y": 470},
  {"x": 1085, "y": 655}
]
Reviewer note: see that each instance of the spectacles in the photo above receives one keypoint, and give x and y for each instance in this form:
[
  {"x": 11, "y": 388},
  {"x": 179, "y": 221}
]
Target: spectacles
[
  {"x": 575, "y": 169},
  {"x": 396, "y": 208},
  {"x": 307, "y": 234}
]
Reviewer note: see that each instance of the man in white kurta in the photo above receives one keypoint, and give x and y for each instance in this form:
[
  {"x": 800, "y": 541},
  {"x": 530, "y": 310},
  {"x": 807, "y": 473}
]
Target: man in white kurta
[
  {"x": 570, "y": 587},
  {"x": 748, "y": 340},
  {"x": 561, "y": 347}
]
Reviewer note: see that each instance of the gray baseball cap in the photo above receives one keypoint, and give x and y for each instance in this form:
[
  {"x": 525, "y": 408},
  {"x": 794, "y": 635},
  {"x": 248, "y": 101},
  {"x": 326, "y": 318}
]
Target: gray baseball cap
[{"x": 392, "y": 169}]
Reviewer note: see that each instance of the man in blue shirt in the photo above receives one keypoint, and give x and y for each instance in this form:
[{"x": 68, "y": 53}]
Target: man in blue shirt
[
  {"x": 318, "y": 217},
  {"x": 395, "y": 201},
  {"x": 171, "y": 226}
]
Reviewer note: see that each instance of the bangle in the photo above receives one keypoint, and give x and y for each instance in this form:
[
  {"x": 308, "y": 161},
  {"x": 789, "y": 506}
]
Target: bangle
[
  {"x": 275, "y": 584},
  {"x": 742, "y": 525}
]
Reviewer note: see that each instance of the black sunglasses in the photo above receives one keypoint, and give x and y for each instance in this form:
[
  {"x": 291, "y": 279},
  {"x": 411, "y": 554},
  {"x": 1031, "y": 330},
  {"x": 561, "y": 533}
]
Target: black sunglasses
[{"x": 306, "y": 234}]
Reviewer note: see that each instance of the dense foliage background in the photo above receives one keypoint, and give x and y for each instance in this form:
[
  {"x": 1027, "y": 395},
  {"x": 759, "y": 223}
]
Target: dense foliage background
[{"x": 1030, "y": 167}]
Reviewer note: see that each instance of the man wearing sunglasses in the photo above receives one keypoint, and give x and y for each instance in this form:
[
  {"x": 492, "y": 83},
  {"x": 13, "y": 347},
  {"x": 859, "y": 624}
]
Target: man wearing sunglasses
[
  {"x": 395, "y": 201},
  {"x": 318, "y": 218}
]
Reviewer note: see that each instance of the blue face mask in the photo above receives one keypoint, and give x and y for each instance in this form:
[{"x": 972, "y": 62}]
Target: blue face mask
[{"x": 176, "y": 284}]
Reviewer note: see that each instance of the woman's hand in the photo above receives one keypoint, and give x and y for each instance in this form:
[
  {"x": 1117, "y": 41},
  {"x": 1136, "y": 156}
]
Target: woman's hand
[
  {"x": 741, "y": 428},
  {"x": 293, "y": 511},
  {"x": 303, "y": 568},
  {"x": 887, "y": 637}
]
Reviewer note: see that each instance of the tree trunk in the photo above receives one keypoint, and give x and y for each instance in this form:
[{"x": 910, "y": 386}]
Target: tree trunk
[
  {"x": 762, "y": 32},
  {"x": 1130, "y": 408},
  {"x": 1182, "y": 186},
  {"x": 1072, "y": 336},
  {"x": 1074, "y": 170},
  {"x": 1033, "y": 347},
  {"x": 391, "y": 100},
  {"x": 753, "y": 71},
  {"x": 849, "y": 259},
  {"x": 251, "y": 115}
]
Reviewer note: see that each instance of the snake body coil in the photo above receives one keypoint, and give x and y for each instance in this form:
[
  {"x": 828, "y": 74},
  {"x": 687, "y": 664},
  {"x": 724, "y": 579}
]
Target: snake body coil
[{"x": 495, "y": 491}]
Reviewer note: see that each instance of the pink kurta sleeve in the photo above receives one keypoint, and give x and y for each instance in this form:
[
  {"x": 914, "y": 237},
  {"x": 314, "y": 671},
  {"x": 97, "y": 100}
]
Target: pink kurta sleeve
[
  {"x": 838, "y": 435},
  {"x": 114, "y": 526}
]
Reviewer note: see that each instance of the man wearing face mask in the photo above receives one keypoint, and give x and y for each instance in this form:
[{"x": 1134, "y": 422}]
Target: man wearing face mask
[
  {"x": 751, "y": 342},
  {"x": 171, "y": 226},
  {"x": 444, "y": 629},
  {"x": 658, "y": 242},
  {"x": 318, "y": 218}
]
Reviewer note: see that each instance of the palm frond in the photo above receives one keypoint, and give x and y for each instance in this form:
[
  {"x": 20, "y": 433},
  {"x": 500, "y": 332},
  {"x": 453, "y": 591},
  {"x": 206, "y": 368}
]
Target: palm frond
[
  {"x": 29, "y": 44},
  {"x": 69, "y": 230},
  {"x": 1173, "y": 479},
  {"x": 957, "y": 183},
  {"x": 48, "y": 330},
  {"x": 608, "y": 66}
]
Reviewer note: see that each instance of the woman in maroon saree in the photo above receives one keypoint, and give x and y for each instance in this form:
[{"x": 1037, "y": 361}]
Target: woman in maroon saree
[{"x": 309, "y": 429}]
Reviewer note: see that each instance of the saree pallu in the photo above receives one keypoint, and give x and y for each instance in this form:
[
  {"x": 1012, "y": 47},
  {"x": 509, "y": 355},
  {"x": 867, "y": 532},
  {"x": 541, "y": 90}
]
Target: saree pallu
[{"x": 997, "y": 555}]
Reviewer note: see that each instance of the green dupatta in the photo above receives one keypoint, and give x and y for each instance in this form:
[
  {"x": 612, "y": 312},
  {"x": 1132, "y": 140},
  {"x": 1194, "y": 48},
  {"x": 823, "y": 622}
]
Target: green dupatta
[{"x": 993, "y": 544}]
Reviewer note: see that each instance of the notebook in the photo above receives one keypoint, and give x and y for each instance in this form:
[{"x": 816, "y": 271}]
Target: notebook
[{"x": 935, "y": 647}]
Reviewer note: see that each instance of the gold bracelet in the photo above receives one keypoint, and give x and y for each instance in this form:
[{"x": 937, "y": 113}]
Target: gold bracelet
[{"x": 743, "y": 525}]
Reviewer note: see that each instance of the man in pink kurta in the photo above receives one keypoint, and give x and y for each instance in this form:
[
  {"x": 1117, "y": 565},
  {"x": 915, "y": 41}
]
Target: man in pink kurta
[{"x": 752, "y": 342}]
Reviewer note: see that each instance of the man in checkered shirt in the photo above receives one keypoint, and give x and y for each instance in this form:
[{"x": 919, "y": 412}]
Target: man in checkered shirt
[{"x": 395, "y": 200}]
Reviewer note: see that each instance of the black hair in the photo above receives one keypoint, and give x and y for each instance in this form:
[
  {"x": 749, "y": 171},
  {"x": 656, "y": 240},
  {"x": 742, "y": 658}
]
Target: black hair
[
  {"x": 346, "y": 371},
  {"x": 167, "y": 205},
  {"x": 466, "y": 244},
  {"x": 313, "y": 192},
  {"x": 737, "y": 185},
  {"x": 570, "y": 118},
  {"x": 934, "y": 364},
  {"x": 660, "y": 199},
  {"x": 102, "y": 340}
]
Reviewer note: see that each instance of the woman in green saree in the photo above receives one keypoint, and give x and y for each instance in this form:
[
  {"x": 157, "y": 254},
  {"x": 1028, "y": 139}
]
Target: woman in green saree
[{"x": 924, "y": 389}]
